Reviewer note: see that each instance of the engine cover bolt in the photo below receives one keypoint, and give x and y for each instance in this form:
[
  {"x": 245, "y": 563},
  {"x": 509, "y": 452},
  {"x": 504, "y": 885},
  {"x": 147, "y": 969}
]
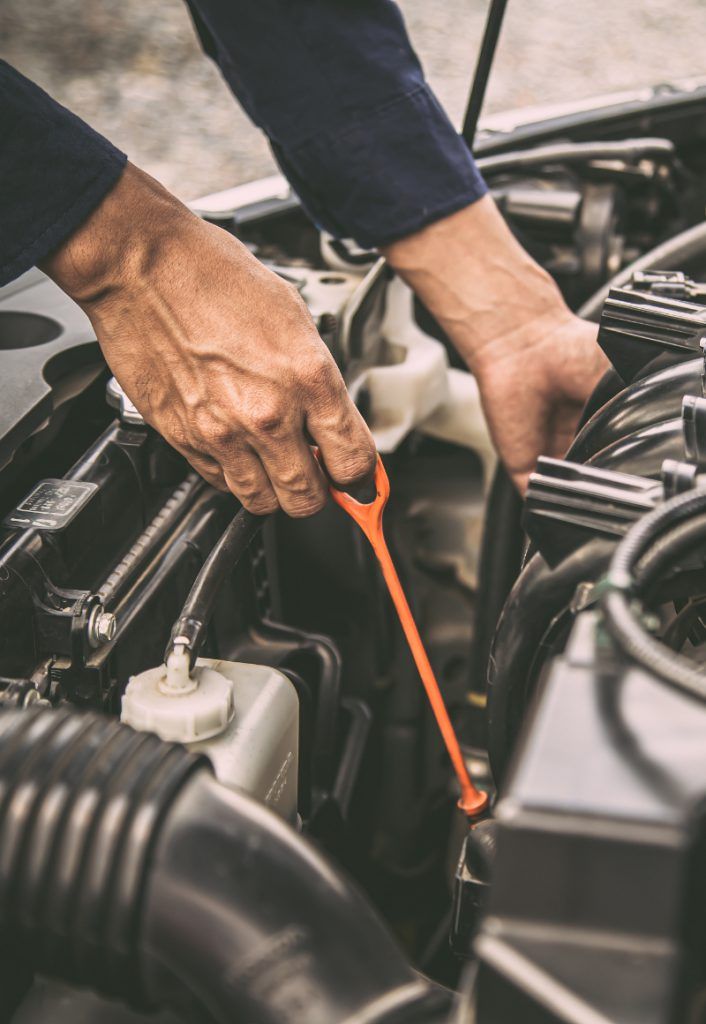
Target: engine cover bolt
[{"x": 102, "y": 627}]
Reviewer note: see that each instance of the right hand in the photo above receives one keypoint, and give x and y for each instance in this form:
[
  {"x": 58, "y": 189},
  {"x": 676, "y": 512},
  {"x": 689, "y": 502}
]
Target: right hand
[
  {"x": 535, "y": 362},
  {"x": 534, "y": 385},
  {"x": 218, "y": 353}
]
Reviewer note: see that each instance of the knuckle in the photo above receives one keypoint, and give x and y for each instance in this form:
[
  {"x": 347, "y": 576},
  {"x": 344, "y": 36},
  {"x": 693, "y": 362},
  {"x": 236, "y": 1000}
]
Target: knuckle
[
  {"x": 308, "y": 505},
  {"x": 294, "y": 480},
  {"x": 247, "y": 491},
  {"x": 259, "y": 504},
  {"x": 216, "y": 435},
  {"x": 355, "y": 465},
  {"x": 207, "y": 468},
  {"x": 294, "y": 309},
  {"x": 320, "y": 375},
  {"x": 266, "y": 419},
  {"x": 210, "y": 475},
  {"x": 252, "y": 492}
]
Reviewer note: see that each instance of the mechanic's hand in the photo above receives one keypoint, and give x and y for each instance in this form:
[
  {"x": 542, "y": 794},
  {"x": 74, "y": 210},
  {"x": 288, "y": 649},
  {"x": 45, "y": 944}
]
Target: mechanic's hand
[
  {"x": 218, "y": 353},
  {"x": 535, "y": 362},
  {"x": 534, "y": 387}
]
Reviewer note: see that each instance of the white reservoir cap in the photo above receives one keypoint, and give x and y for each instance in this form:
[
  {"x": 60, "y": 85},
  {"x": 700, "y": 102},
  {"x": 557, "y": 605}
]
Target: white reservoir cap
[{"x": 178, "y": 705}]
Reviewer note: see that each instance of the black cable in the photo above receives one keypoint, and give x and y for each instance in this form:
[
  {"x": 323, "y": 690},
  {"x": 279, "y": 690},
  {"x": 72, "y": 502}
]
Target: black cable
[
  {"x": 190, "y": 628},
  {"x": 496, "y": 14},
  {"x": 621, "y": 586}
]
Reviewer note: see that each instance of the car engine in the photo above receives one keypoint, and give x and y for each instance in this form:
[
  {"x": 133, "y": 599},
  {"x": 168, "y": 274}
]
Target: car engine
[{"x": 223, "y": 795}]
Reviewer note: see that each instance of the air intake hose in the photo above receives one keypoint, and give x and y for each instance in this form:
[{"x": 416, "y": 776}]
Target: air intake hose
[{"x": 126, "y": 867}]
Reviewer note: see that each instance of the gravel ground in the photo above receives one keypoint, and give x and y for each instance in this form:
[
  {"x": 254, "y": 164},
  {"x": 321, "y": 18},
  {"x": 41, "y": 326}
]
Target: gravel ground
[{"x": 135, "y": 71}]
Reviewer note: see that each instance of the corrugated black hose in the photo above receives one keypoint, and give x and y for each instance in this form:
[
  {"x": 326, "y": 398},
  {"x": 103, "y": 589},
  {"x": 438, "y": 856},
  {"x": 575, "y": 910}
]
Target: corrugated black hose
[{"x": 126, "y": 867}]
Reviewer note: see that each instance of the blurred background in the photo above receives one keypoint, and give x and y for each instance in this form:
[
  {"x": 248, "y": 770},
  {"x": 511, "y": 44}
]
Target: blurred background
[{"x": 135, "y": 71}]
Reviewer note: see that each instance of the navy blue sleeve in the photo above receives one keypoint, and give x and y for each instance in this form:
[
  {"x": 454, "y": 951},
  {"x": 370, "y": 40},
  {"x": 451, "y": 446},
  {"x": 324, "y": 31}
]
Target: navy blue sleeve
[
  {"x": 54, "y": 170},
  {"x": 339, "y": 91}
]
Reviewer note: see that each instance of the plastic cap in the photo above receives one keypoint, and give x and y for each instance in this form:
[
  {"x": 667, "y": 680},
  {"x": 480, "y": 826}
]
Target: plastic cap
[{"x": 200, "y": 707}]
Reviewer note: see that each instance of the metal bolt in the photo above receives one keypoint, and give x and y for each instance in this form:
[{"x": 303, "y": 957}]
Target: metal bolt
[
  {"x": 583, "y": 596},
  {"x": 102, "y": 627}
]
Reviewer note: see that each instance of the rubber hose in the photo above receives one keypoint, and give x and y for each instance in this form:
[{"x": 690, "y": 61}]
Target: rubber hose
[
  {"x": 125, "y": 867},
  {"x": 500, "y": 563},
  {"x": 81, "y": 802},
  {"x": 191, "y": 624},
  {"x": 575, "y": 152},
  {"x": 634, "y": 641},
  {"x": 539, "y": 595},
  {"x": 643, "y": 452},
  {"x": 242, "y": 914},
  {"x": 678, "y": 251}
]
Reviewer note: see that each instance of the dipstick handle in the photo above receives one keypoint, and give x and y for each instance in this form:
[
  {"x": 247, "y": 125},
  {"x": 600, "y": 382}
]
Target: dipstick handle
[{"x": 369, "y": 518}]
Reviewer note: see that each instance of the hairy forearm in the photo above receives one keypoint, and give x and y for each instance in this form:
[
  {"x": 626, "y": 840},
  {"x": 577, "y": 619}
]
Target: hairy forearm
[
  {"x": 120, "y": 243},
  {"x": 476, "y": 279}
]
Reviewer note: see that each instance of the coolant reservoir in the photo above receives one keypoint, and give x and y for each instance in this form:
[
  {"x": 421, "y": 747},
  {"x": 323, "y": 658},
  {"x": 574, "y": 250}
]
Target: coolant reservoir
[{"x": 245, "y": 718}]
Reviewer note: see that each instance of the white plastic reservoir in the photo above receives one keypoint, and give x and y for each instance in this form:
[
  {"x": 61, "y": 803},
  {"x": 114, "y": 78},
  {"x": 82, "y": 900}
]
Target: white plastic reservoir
[{"x": 244, "y": 718}]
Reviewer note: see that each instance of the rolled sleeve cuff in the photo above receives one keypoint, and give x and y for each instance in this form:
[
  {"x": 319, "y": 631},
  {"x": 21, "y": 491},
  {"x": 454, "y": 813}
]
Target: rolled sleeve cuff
[
  {"x": 43, "y": 235},
  {"x": 388, "y": 174}
]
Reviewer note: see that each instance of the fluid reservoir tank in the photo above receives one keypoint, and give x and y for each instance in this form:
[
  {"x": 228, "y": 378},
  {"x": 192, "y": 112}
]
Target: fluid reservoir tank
[{"x": 244, "y": 718}]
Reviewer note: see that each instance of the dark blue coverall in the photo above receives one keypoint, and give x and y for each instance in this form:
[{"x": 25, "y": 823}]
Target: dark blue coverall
[{"x": 334, "y": 84}]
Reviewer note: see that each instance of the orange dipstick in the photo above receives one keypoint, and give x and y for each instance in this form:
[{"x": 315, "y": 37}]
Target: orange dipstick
[{"x": 369, "y": 518}]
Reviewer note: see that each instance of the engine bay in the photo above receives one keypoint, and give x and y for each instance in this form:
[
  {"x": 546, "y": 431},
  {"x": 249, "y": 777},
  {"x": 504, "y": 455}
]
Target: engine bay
[{"x": 290, "y": 849}]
